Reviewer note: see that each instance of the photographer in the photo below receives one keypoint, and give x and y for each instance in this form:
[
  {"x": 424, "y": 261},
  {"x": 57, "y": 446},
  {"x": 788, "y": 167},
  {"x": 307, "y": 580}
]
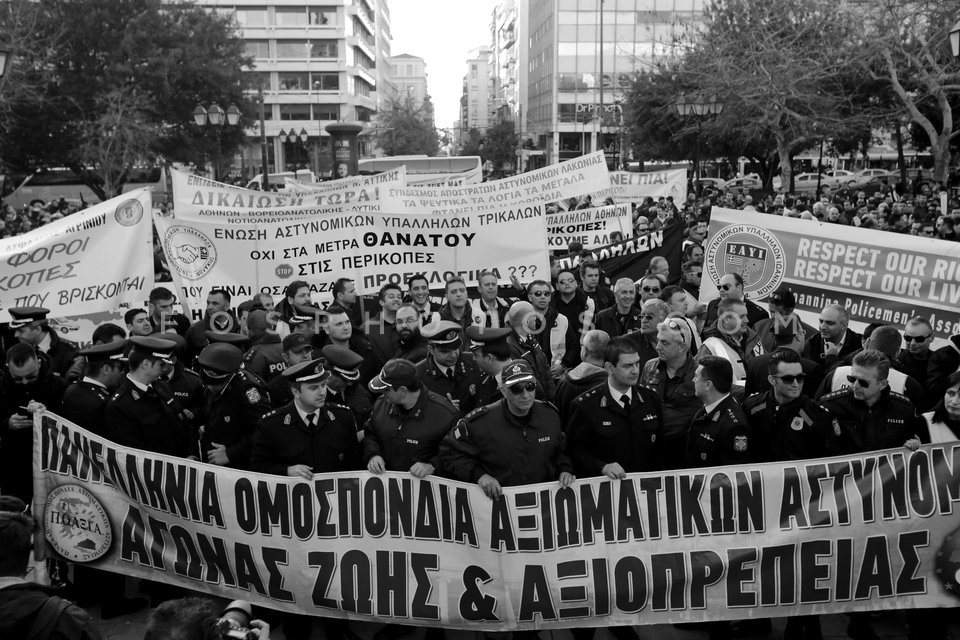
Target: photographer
[{"x": 201, "y": 619}]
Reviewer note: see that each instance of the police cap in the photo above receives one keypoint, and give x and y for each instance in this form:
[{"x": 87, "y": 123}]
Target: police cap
[
  {"x": 310, "y": 371},
  {"x": 343, "y": 362},
  {"x": 22, "y": 316},
  {"x": 480, "y": 336},
  {"x": 238, "y": 340},
  {"x": 159, "y": 348},
  {"x": 296, "y": 342},
  {"x": 395, "y": 373},
  {"x": 442, "y": 334},
  {"x": 110, "y": 351},
  {"x": 516, "y": 371},
  {"x": 219, "y": 360}
]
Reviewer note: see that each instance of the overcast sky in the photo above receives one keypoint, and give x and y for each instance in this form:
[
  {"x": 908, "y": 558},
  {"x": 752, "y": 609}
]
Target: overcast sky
[{"x": 441, "y": 32}]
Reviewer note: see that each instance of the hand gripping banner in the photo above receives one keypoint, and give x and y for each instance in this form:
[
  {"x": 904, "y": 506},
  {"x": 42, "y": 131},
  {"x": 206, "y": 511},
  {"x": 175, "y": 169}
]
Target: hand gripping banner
[{"x": 857, "y": 533}]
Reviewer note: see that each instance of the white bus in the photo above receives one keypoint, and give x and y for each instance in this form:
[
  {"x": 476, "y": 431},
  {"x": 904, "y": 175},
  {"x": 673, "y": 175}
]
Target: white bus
[{"x": 429, "y": 170}]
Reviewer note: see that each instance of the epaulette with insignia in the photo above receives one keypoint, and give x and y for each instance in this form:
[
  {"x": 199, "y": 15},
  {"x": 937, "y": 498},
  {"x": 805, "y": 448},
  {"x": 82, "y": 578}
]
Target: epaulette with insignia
[
  {"x": 191, "y": 372},
  {"x": 476, "y": 413},
  {"x": 757, "y": 409},
  {"x": 900, "y": 396},
  {"x": 839, "y": 393},
  {"x": 647, "y": 387},
  {"x": 732, "y": 415},
  {"x": 337, "y": 406},
  {"x": 248, "y": 356},
  {"x": 269, "y": 414}
]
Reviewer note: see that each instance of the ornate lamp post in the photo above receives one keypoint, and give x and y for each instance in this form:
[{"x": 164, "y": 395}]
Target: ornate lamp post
[
  {"x": 215, "y": 116},
  {"x": 698, "y": 107}
]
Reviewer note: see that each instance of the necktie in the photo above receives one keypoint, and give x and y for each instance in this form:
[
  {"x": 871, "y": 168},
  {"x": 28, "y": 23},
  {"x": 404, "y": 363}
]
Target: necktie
[
  {"x": 311, "y": 421},
  {"x": 625, "y": 399},
  {"x": 450, "y": 375}
]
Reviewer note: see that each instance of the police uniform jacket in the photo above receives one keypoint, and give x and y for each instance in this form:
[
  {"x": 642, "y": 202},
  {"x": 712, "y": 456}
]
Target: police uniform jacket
[
  {"x": 404, "y": 437},
  {"x": 152, "y": 420},
  {"x": 529, "y": 349},
  {"x": 797, "y": 430},
  {"x": 189, "y": 391},
  {"x": 572, "y": 383},
  {"x": 461, "y": 386},
  {"x": 677, "y": 395},
  {"x": 61, "y": 352},
  {"x": 514, "y": 450},
  {"x": 266, "y": 357},
  {"x": 283, "y": 439},
  {"x": 233, "y": 415},
  {"x": 720, "y": 437},
  {"x": 84, "y": 404},
  {"x": 488, "y": 391},
  {"x": 280, "y": 394},
  {"x": 859, "y": 428},
  {"x": 351, "y": 394},
  {"x": 600, "y": 431}
]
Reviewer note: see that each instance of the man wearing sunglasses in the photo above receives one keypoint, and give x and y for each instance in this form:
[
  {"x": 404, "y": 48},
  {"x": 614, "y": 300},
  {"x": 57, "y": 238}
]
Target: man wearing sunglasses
[
  {"x": 731, "y": 288},
  {"x": 515, "y": 441},
  {"x": 915, "y": 356},
  {"x": 868, "y": 416}
]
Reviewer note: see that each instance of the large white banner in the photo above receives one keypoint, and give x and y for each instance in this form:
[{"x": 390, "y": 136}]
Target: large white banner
[
  {"x": 198, "y": 198},
  {"x": 393, "y": 177},
  {"x": 246, "y": 257},
  {"x": 854, "y": 533},
  {"x": 569, "y": 179},
  {"x": 589, "y": 227},
  {"x": 97, "y": 260}
]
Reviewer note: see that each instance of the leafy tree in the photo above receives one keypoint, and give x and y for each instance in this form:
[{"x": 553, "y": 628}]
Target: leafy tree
[
  {"x": 406, "y": 128},
  {"x": 783, "y": 70},
  {"x": 143, "y": 64},
  {"x": 500, "y": 146},
  {"x": 911, "y": 39},
  {"x": 471, "y": 146}
]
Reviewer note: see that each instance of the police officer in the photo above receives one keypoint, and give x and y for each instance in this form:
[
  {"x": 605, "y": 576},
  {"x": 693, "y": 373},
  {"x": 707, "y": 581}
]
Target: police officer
[
  {"x": 236, "y": 401},
  {"x": 30, "y": 327},
  {"x": 524, "y": 346},
  {"x": 719, "y": 433},
  {"x": 85, "y": 401},
  {"x": 869, "y": 416},
  {"x": 786, "y": 424},
  {"x": 446, "y": 370},
  {"x": 492, "y": 354},
  {"x": 407, "y": 424},
  {"x": 307, "y": 436},
  {"x": 143, "y": 413},
  {"x": 296, "y": 349},
  {"x": 185, "y": 383},
  {"x": 345, "y": 385},
  {"x": 265, "y": 355},
  {"x": 515, "y": 441},
  {"x": 614, "y": 427}
]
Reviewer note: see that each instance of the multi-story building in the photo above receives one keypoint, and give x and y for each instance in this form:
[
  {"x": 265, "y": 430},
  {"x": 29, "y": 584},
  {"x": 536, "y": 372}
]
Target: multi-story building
[
  {"x": 582, "y": 57},
  {"x": 409, "y": 76},
  {"x": 476, "y": 104},
  {"x": 316, "y": 64}
]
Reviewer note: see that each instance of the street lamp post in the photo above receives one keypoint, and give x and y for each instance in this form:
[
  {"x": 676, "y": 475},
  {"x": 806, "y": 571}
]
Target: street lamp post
[
  {"x": 216, "y": 117},
  {"x": 699, "y": 107},
  {"x": 955, "y": 40}
]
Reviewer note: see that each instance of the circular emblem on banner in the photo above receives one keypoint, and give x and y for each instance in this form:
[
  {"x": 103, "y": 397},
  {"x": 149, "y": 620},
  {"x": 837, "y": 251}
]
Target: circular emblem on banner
[
  {"x": 190, "y": 252},
  {"x": 751, "y": 251},
  {"x": 129, "y": 212},
  {"x": 76, "y": 524},
  {"x": 284, "y": 271}
]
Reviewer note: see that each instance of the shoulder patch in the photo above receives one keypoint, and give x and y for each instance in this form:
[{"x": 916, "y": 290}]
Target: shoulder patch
[
  {"x": 191, "y": 372},
  {"x": 268, "y": 414},
  {"x": 839, "y": 393},
  {"x": 900, "y": 397},
  {"x": 476, "y": 413},
  {"x": 252, "y": 395},
  {"x": 462, "y": 430}
]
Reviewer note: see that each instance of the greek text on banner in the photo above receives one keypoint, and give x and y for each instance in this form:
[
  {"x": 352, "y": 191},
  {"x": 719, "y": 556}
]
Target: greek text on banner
[
  {"x": 866, "y": 532},
  {"x": 589, "y": 227},
  {"x": 97, "y": 260}
]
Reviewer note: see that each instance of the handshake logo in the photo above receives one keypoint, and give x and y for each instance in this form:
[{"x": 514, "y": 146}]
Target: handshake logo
[{"x": 191, "y": 252}]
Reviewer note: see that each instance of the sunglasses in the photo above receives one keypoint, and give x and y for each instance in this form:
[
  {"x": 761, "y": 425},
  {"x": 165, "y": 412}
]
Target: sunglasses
[
  {"x": 788, "y": 379},
  {"x": 725, "y": 287},
  {"x": 650, "y": 289},
  {"x": 860, "y": 381},
  {"x": 517, "y": 389},
  {"x": 540, "y": 294},
  {"x": 910, "y": 339}
]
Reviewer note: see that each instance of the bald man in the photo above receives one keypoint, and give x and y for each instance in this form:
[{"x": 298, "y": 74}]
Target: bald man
[{"x": 834, "y": 339}]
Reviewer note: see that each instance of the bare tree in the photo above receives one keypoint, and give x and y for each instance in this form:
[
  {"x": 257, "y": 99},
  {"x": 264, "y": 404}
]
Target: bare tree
[{"x": 911, "y": 38}]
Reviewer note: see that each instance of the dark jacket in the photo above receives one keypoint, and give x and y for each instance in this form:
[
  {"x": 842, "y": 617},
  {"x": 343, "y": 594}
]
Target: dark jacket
[
  {"x": 515, "y": 451},
  {"x": 677, "y": 396},
  {"x": 757, "y": 381},
  {"x": 609, "y": 320},
  {"x": 265, "y": 358},
  {"x": 152, "y": 421},
  {"x": 600, "y": 431},
  {"x": 61, "y": 352},
  {"x": 85, "y": 405},
  {"x": 528, "y": 349},
  {"x": 23, "y": 605},
  {"x": 579, "y": 312},
  {"x": 943, "y": 362},
  {"x": 813, "y": 350},
  {"x": 721, "y": 437},
  {"x": 754, "y": 313},
  {"x": 798, "y": 430},
  {"x": 462, "y": 386},
  {"x": 404, "y": 437},
  {"x": 572, "y": 383},
  {"x": 859, "y": 428},
  {"x": 233, "y": 416},
  {"x": 283, "y": 439}
]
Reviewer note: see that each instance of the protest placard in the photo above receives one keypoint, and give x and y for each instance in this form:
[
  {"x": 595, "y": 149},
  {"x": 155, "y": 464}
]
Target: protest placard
[
  {"x": 97, "y": 260},
  {"x": 568, "y": 179},
  {"x": 196, "y": 198},
  {"x": 630, "y": 258},
  {"x": 589, "y": 227},
  {"x": 633, "y": 186},
  {"x": 371, "y": 248},
  {"x": 877, "y": 276},
  {"x": 854, "y": 533}
]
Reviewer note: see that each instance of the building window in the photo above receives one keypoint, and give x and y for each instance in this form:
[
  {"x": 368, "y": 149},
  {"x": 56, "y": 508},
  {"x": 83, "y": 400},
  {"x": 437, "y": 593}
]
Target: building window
[
  {"x": 325, "y": 81},
  {"x": 252, "y": 80},
  {"x": 252, "y": 17},
  {"x": 294, "y": 112},
  {"x": 257, "y": 48},
  {"x": 291, "y": 17},
  {"x": 323, "y": 15},
  {"x": 324, "y": 49},
  {"x": 364, "y": 114},
  {"x": 326, "y": 112},
  {"x": 292, "y": 49},
  {"x": 294, "y": 81},
  {"x": 363, "y": 88}
]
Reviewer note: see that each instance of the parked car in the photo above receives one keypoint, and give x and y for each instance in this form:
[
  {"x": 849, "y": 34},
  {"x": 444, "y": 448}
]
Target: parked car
[
  {"x": 861, "y": 178},
  {"x": 712, "y": 183},
  {"x": 807, "y": 182},
  {"x": 745, "y": 183}
]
